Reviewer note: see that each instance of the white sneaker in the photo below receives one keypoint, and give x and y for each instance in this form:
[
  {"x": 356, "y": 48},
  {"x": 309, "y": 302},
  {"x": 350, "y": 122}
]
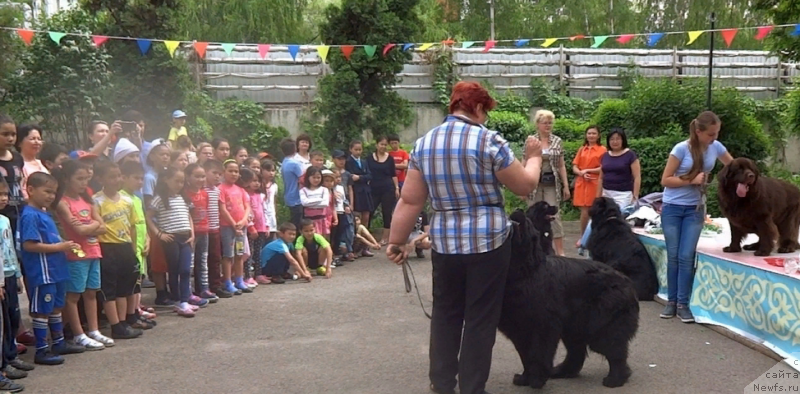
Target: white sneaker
[
  {"x": 88, "y": 343},
  {"x": 97, "y": 336}
]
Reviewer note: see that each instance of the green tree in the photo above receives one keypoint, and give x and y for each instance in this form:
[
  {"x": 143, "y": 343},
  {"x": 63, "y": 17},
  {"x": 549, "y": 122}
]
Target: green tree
[
  {"x": 356, "y": 97},
  {"x": 10, "y": 15},
  {"x": 781, "y": 41},
  {"x": 250, "y": 21}
]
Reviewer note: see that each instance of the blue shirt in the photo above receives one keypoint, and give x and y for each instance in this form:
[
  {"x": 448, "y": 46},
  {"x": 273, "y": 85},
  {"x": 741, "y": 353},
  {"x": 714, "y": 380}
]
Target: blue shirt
[
  {"x": 276, "y": 247},
  {"x": 7, "y": 249},
  {"x": 291, "y": 171},
  {"x": 690, "y": 194},
  {"x": 149, "y": 187},
  {"x": 41, "y": 268},
  {"x": 458, "y": 161}
]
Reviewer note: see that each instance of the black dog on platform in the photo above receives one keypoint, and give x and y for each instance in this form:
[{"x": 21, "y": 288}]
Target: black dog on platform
[
  {"x": 581, "y": 302},
  {"x": 613, "y": 242}
]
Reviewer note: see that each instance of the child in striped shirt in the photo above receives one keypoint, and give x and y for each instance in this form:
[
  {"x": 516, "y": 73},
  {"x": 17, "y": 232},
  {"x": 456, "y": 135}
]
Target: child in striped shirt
[{"x": 213, "y": 174}]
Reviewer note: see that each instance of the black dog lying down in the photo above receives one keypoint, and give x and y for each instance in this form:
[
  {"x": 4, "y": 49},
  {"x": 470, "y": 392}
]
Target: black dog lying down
[
  {"x": 581, "y": 302},
  {"x": 613, "y": 242}
]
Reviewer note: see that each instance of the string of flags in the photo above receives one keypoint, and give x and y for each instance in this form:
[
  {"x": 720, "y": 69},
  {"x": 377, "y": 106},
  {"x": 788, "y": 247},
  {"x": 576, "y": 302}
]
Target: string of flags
[{"x": 650, "y": 40}]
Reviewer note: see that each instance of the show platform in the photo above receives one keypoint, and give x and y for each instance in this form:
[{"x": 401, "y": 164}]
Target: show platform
[{"x": 739, "y": 291}]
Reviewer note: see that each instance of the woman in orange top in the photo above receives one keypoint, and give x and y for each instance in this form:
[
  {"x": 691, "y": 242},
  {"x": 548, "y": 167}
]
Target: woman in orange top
[{"x": 586, "y": 167}]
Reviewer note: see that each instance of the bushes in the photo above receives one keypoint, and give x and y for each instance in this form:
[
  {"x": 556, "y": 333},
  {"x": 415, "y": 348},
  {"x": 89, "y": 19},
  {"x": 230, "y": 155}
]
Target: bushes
[
  {"x": 610, "y": 114},
  {"x": 569, "y": 129},
  {"x": 511, "y": 125},
  {"x": 653, "y": 104}
]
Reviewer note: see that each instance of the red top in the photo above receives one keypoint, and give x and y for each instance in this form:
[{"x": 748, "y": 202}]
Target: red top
[
  {"x": 82, "y": 211},
  {"x": 236, "y": 202},
  {"x": 399, "y": 157},
  {"x": 200, "y": 210}
]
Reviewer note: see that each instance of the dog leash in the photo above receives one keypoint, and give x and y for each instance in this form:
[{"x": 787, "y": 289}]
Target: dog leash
[{"x": 408, "y": 279}]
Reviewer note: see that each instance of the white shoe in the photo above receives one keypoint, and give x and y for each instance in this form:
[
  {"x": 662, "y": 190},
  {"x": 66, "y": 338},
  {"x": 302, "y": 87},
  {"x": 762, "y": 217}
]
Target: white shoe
[
  {"x": 97, "y": 336},
  {"x": 88, "y": 343}
]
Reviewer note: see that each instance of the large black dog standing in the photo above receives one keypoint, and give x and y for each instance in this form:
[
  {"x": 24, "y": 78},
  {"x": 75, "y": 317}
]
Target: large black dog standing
[
  {"x": 613, "y": 242},
  {"x": 578, "y": 301}
]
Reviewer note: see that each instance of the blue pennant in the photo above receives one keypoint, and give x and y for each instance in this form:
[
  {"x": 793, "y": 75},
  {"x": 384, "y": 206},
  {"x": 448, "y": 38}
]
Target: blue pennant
[
  {"x": 652, "y": 39},
  {"x": 293, "y": 49},
  {"x": 144, "y": 45},
  {"x": 520, "y": 43},
  {"x": 407, "y": 47},
  {"x": 796, "y": 31}
]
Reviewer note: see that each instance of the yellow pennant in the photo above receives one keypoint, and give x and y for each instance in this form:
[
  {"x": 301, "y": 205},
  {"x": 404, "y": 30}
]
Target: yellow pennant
[
  {"x": 172, "y": 46},
  {"x": 693, "y": 36},
  {"x": 425, "y": 47},
  {"x": 322, "y": 51},
  {"x": 548, "y": 42}
]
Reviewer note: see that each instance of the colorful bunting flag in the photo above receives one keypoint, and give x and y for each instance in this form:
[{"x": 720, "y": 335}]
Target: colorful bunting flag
[
  {"x": 322, "y": 51},
  {"x": 144, "y": 45},
  {"x": 489, "y": 45},
  {"x": 625, "y": 38},
  {"x": 549, "y": 42},
  {"x": 370, "y": 50},
  {"x": 347, "y": 50},
  {"x": 387, "y": 48},
  {"x": 577, "y": 37},
  {"x": 652, "y": 39},
  {"x": 728, "y": 35},
  {"x": 693, "y": 35},
  {"x": 599, "y": 40},
  {"x": 796, "y": 31},
  {"x": 763, "y": 32},
  {"x": 171, "y": 47},
  {"x": 448, "y": 42},
  {"x": 406, "y": 47},
  {"x": 56, "y": 36},
  {"x": 26, "y": 35},
  {"x": 200, "y": 48},
  {"x": 293, "y": 50},
  {"x": 467, "y": 44},
  {"x": 425, "y": 47},
  {"x": 99, "y": 40},
  {"x": 228, "y": 47},
  {"x": 521, "y": 43},
  {"x": 263, "y": 50}
]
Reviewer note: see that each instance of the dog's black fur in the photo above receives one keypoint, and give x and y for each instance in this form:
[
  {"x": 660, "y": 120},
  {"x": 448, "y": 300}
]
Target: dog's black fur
[
  {"x": 542, "y": 214},
  {"x": 582, "y": 302},
  {"x": 613, "y": 242}
]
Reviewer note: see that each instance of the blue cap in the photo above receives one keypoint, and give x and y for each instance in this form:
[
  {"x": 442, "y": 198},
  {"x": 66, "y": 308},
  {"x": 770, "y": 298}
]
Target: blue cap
[
  {"x": 338, "y": 153},
  {"x": 178, "y": 114}
]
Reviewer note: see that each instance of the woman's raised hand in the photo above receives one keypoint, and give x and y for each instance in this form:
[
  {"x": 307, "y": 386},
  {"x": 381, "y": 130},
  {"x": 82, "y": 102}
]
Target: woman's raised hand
[{"x": 533, "y": 148}]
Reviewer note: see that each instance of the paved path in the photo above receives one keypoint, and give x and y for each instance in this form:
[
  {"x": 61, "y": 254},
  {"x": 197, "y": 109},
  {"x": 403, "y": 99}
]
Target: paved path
[{"x": 360, "y": 333}]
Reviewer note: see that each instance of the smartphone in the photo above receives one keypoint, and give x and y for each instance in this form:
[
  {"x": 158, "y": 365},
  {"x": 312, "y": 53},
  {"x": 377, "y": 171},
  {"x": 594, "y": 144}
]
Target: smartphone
[{"x": 128, "y": 127}]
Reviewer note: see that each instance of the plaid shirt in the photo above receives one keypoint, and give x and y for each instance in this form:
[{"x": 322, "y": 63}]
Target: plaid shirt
[{"x": 458, "y": 161}]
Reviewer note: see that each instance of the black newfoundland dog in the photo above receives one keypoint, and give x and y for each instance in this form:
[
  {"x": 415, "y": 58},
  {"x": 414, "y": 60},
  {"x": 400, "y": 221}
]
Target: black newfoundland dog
[
  {"x": 613, "y": 242},
  {"x": 768, "y": 207},
  {"x": 580, "y": 302},
  {"x": 541, "y": 214}
]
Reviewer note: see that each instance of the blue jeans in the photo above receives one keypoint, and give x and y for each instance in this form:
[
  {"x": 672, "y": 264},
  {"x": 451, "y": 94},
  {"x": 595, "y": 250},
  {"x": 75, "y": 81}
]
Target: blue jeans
[
  {"x": 682, "y": 226},
  {"x": 178, "y": 254}
]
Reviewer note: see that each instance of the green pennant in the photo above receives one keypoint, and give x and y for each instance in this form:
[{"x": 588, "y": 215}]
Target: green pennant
[
  {"x": 56, "y": 36},
  {"x": 599, "y": 40},
  {"x": 370, "y": 50},
  {"x": 467, "y": 44},
  {"x": 228, "y": 47}
]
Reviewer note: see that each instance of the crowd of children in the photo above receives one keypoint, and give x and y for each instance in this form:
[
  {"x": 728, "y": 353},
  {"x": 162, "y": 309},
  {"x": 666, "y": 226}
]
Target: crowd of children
[{"x": 85, "y": 234}]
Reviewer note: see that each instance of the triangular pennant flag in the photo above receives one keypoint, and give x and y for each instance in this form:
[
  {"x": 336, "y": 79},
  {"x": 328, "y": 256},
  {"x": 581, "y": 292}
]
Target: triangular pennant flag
[
  {"x": 144, "y": 45},
  {"x": 599, "y": 40},
  {"x": 625, "y": 38},
  {"x": 293, "y": 50},
  {"x": 763, "y": 32},
  {"x": 387, "y": 48},
  {"x": 26, "y": 35},
  {"x": 521, "y": 43},
  {"x": 322, "y": 51},
  {"x": 796, "y": 31},
  {"x": 728, "y": 35},
  {"x": 370, "y": 50},
  {"x": 549, "y": 42},
  {"x": 693, "y": 36},
  {"x": 407, "y": 47},
  {"x": 99, "y": 40},
  {"x": 347, "y": 50},
  {"x": 56, "y": 36},
  {"x": 172, "y": 46},
  {"x": 489, "y": 45},
  {"x": 652, "y": 39},
  {"x": 577, "y": 37},
  {"x": 200, "y": 48},
  {"x": 467, "y": 44},
  {"x": 425, "y": 47},
  {"x": 448, "y": 41},
  {"x": 263, "y": 50},
  {"x": 228, "y": 47}
]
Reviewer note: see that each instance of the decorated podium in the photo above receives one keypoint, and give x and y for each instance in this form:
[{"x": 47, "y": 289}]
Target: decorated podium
[{"x": 749, "y": 295}]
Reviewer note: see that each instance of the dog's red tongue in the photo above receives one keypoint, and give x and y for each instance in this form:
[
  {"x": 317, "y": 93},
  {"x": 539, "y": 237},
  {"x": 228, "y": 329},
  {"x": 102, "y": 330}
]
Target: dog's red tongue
[{"x": 741, "y": 190}]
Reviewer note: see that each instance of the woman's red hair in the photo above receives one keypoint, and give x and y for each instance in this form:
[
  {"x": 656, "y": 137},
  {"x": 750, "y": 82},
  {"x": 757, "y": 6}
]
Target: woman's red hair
[{"x": 466, "y": 97}]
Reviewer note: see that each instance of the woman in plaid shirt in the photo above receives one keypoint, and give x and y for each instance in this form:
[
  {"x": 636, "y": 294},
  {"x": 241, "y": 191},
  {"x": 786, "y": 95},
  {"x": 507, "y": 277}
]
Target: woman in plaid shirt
[{"x": 469, "y": 231}]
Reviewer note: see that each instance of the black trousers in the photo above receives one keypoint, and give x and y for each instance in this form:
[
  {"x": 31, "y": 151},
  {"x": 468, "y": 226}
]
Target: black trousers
[
  {"x": 467, "y": 294},
  {"x": 386, "y": 200},
  {"x": 295, "y": 216},
  {"x": 11, "y": 320}
]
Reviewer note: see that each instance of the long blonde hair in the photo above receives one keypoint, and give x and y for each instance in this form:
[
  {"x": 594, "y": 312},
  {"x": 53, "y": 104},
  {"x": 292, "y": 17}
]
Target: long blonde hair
[{"x": 701, "y": 123}]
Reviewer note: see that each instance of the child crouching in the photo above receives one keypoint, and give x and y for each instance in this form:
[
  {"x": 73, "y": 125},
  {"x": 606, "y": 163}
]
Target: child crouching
[
  {"x": 276, "y": 257},
  {"x": 313, "y": 251}
]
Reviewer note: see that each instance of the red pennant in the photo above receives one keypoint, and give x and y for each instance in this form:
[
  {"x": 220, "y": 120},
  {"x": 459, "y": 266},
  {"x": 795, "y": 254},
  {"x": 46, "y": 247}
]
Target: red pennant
[
  {"x": 489, "y": 45},
  {"x": 26, "y": 35},
  {"x": 387, "y": 48},
  {"x": 448, "y": 41},
  {"x": 762, "y": 32},
  {"x": 578, "y": 37},
  {"x": 347, "y": 50},
  {"x": 728, "y": 35},
  {"x": 625, "y": 38},
  {"x": 263, "y": 50},
  {"x": 200, "y": 48},
  {"x": 99, "y": 40}
]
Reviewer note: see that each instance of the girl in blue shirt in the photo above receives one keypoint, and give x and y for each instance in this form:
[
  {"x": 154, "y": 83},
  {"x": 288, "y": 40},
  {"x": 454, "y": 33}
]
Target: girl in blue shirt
[{"x": 683, "y": 212}]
